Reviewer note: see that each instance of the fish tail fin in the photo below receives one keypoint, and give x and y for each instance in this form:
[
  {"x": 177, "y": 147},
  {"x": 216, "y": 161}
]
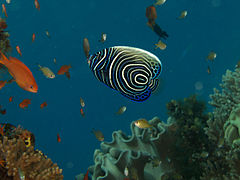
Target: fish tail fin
[{"x": 3, "y": 58}]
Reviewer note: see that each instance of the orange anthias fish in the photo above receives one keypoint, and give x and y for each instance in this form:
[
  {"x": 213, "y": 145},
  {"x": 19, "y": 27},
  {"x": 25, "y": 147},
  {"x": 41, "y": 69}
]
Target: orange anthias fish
[
  {"x": 64, "y": 69},
  {"x": 44, "y": 104},
  {"x": 2, "y": 129},
  {"x": 20, "y": 72},
  {"x": 37, "y": 5},
  {"x": 3, "y": 111},
  {"x": 25, "y": 103},
  {"x": 86, "y": 175},
  {"x": 11, "y": 99},
  {"x": 4, "y": 10},
  {"x": 82, "y": 112},
  {"x": 2, "y": 84},
  {"x": 18, "y": 50},
  {"x": 58, "y": 138},
  {"x": 151, "y": 14},
  {"x": 33, "y": 37}
]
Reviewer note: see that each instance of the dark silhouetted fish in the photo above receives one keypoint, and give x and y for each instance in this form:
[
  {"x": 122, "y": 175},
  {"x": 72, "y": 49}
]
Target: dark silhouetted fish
[{"x": 132, "y": 71}]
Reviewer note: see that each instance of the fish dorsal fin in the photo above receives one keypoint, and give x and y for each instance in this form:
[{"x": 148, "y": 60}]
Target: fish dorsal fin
[
  {"x": 3, "y": 58},
  {"x": 20, "y": 64}
]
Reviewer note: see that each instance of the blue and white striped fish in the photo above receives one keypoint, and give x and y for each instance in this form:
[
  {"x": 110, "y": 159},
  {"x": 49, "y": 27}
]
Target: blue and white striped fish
[{"x": 132, "y": 71}]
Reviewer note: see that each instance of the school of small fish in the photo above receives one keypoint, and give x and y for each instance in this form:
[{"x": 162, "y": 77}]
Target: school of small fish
[{"x": 98, "y": 63}]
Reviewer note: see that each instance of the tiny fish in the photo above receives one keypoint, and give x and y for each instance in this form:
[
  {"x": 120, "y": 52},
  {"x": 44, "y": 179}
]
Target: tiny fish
[
  {"x": 86, "y": 47},
  {"x": 11, "y": 99},
  {"x": 82, "y": 102},
  {"x": 25, "y": 103},
  {"x": 211, "y": 56},
  {"x": 183, "y": 14},
  {"x": 33, "y": 37},
  {"x": 82, "y": 112},
  {"x": 98, "y": 134},
  {"x": 208, "y": 70},
  {"x": 103, "y": 38},
  {"x": 64, "y": 69},
  {"x": 18, "y": 50},
  {"x": 126, "y": 171},
  {"x": 204, "y": 154},
  {"x": 160, "y": 45},
  {"x": 44, "y": 104},
  {"x": 2, "y": 84},
  {"x": 54, "y": 60},
  {"x": 47, "y": 33},
  {"x": 121, "y": 110},
  {"x": 37, "y": 5},
  {"x": 8, "y": 1},
  {"x": 156, "y": 162},
  {"x": 21, "y": 174},
  {"x": 58, "y": 138},
  {"x": 3, "y": 111},
  {"x": 46, "y": 72},
  {"x": 159, "y": 2},
  {"x": 2, "y": 129},
  {"x": 4, "y": 10},
  {"x": 142, "y": 124}
]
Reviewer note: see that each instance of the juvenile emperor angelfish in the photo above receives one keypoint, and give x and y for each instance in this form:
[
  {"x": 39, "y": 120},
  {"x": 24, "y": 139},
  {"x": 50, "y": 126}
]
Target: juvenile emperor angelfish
[{"x": 131, "y": 71}]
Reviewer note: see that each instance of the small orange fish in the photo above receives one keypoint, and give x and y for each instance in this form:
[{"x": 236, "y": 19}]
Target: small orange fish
[
  {"x": 2, "y": 84},
  {"x": 86, "y": 175},
  {"x": 33, "y": 37},
  {"x": 64, "y": 69},
  {"x": 2, "y": 129},
  {"x": 4, "y": 10},
  {"x": 58, "y": 138},
  {"x": 3, "y": 111},
  {"x": 25, "y": 103},
  {"x": 11, "y": 99},
  {"x": 18, "y": 50},
  {"x": 151, "y": 14},
  {"x": 37, "y": 5},
  {"x": 82, "y": 112},
  {"x": 20, "y": 73},
  {"x": 44, "y": 104}
]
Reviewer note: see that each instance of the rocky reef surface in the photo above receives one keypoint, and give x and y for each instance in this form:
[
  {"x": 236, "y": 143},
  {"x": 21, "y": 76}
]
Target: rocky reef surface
[{"x": 192, "y": 145}]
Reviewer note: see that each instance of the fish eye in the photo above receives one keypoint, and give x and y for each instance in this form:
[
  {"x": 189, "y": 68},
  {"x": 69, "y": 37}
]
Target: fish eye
[{"x": 31, "y": 86}]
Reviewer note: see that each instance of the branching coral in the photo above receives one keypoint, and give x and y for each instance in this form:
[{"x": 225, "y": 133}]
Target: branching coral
[{"x": 21, "y": 156}]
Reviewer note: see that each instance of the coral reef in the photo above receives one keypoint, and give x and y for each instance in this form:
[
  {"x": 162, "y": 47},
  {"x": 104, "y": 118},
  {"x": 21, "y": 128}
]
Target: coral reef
[
  {"x": 192, "y": 145},
  {"x": 18, "y": 157},
  {"x": 4, "y": 37}
]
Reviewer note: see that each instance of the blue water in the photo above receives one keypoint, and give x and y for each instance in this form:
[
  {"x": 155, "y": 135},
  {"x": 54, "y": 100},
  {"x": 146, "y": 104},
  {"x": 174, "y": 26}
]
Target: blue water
[{"x": 209, "y": 25}]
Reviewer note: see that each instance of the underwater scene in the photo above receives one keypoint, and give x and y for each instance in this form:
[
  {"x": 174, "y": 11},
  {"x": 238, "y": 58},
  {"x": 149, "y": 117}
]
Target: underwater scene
[{"x": 119, "y": 90}]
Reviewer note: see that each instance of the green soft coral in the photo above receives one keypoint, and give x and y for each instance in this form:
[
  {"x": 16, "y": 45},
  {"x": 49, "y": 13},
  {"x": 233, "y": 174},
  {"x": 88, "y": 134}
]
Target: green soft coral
[{"x": 232, "y": 127}]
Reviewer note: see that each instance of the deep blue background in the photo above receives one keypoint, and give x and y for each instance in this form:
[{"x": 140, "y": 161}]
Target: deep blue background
[{"x": 209, "y": 25}]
